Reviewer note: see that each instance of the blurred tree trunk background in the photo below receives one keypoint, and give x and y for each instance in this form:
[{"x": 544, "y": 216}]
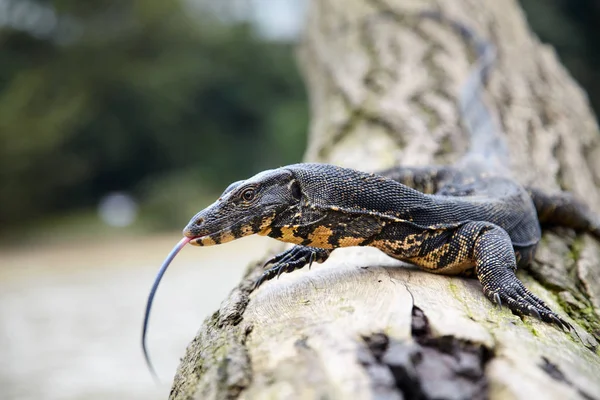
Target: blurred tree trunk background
[{"x": 383, "y": 86}]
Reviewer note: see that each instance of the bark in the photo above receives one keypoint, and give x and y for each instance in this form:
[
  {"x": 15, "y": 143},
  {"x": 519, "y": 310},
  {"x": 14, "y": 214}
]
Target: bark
[{"x": 383, "y": 86}]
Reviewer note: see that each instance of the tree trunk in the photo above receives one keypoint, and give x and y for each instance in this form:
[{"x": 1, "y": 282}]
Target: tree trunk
[{"x": 383, "y": 85}]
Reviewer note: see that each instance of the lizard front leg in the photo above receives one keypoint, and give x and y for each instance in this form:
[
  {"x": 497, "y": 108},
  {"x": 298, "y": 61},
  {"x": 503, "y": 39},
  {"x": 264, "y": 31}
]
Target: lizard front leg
[
  {"x": 563, "y": 209},
  {"x": 495, "y": 266},
  {"x": 292, "y": 259}
]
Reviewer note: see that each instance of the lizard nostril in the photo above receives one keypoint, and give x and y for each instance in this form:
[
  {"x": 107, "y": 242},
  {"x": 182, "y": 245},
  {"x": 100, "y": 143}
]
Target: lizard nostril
[{"x": 199, "y": 221}]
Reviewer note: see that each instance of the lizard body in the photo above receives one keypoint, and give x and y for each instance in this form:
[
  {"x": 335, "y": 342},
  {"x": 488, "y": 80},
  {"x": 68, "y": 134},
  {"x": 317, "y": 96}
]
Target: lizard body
[
  {"x": 485, "y": 226},
  {"x": 471, "y": 218}
]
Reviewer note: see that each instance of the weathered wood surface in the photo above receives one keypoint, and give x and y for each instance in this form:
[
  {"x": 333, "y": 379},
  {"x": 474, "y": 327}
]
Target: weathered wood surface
[{"x": 383, "y": 87}]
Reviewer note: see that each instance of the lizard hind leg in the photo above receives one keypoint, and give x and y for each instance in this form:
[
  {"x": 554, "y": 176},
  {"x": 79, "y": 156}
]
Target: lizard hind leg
[
  {"x": 563, "y": 209},
  {"x": 495, "y": 267}
]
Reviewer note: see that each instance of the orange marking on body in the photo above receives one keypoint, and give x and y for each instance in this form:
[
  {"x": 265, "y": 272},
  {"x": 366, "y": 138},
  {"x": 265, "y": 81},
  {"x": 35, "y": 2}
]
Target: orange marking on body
[
  {"x": 265, "y": 225},
  {"x": 288, "y": 234},
  {"x": 349, "y": 241},
  {"x": 227, "y": 236},
  {"x": 207, "y": 241},
  {"x": 247, "y": 230},
  {"x": 407, "y": 243},
  {"x": 320, "y": 237},
  {"x": 431, "y": 261},
  {"x": 454, "y": 268}
]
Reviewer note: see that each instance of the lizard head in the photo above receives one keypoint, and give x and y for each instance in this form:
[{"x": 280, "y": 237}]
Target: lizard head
[{"x": 246, "y": 208}]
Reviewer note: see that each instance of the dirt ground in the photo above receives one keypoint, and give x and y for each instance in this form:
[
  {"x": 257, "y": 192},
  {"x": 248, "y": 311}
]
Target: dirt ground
[{"x": 71, "y": 314}]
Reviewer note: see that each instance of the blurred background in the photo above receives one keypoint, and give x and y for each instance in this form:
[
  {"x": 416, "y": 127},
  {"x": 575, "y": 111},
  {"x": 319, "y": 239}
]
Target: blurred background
[{"x": 119, "y": 119}]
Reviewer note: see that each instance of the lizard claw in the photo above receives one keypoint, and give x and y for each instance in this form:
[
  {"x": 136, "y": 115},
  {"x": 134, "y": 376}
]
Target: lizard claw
[
  {"x": 498, "y": 300},
  {"x": 276, "y": 259},
  {"x": 290, "y": 260},
  {"x": 259, "y": 281},
  {"x": 534, "y": 312},
  {"x": 565, "y": 326},
  {"x": 280, "y": 269},
  {"x": 519, "y": 299}
]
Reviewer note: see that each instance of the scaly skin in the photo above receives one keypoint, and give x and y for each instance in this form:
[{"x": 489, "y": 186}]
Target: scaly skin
[{"x": 479, "y": 224}]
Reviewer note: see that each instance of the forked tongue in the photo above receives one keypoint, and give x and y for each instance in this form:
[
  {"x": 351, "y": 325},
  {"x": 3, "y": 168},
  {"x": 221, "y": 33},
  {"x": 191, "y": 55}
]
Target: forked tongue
[{"x": 157, "y": 280}]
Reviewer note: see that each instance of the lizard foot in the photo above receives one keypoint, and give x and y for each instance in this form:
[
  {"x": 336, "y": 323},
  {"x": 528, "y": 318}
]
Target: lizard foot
[
  {"x": 516, "y": 296},
  {"x": 292, "y": 259}
]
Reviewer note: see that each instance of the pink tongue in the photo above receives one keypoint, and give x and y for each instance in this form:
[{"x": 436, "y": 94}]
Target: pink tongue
[{"x": 157, "y": 280}]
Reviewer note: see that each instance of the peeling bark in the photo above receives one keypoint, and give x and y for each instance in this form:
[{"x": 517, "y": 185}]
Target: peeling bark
[
  {"x": 383, "y": 88},
  {"x": 428, "y": 367}
]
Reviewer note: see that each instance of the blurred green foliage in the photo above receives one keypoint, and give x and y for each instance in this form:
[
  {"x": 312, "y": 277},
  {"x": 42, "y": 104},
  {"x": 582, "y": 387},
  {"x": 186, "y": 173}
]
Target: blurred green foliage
[
  {"x": 142, "y": 96},
  {"x": 146, "y": 97}
]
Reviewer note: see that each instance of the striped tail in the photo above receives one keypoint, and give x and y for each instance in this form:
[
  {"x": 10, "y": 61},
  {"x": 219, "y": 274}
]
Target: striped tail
[{"x": 488, "y": 150}]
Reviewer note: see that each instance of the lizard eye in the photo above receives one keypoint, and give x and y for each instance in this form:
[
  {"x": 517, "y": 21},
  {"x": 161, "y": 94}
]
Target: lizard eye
[{"x": 248, "y": 194}]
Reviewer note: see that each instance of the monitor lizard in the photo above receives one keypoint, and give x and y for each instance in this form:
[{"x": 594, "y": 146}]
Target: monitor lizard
[{"x": 470, "y": 218}]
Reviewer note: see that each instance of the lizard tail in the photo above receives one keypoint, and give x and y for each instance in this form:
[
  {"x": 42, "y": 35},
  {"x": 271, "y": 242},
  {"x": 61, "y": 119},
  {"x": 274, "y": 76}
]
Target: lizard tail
[{"x": 488, "y": 150}]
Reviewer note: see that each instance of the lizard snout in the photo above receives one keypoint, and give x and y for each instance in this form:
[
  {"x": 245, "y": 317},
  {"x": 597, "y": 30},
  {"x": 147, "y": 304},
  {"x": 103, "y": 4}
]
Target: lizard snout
[
  {"x": 187, "y": 232},
  {"x": 197, "y": 226},
  {"x": 192, "y": 230}
]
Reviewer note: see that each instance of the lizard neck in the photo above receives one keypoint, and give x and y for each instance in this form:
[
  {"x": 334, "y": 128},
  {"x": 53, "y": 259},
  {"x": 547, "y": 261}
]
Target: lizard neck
[{"x": 328, "y": 187}]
